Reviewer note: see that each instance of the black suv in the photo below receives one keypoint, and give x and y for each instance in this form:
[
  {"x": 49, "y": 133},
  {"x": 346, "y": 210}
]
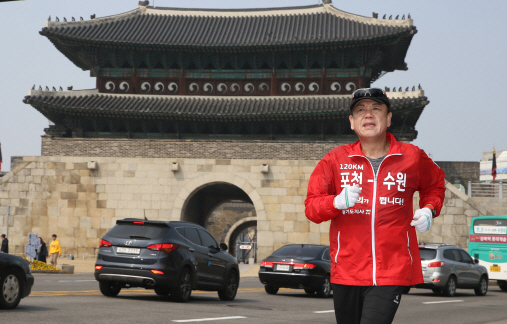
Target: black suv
[
  {"x": 173, "y": 258},
  {"x": 16, "y": 280}
]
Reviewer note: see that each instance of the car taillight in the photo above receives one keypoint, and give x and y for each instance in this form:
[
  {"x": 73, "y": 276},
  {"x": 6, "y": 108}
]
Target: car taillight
[
  {"x": 98, "y": 267},
  {"x": 104, "y": 243},
  {"x": 299, "y": 266},
  {"x": 436, "y": 264},
  {"x": 157, "y": 272},
  {"x": 267, "y": 264},
  {"x": 167, "y": 248}
]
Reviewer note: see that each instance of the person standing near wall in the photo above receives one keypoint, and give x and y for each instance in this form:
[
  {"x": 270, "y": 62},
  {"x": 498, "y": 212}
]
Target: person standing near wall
[
  {"x": 5, "y": 244},
  {"x": 54, "y": 251},
  {"x": 43, "y": 251}
]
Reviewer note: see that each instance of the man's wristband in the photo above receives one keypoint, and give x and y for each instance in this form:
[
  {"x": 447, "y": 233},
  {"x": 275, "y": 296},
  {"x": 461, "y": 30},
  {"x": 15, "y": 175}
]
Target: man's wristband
[{"x": 433, "y": 211}]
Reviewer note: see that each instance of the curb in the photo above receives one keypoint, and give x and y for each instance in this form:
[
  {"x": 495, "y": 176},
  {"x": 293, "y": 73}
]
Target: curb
[{"x": 47, "y": 271}]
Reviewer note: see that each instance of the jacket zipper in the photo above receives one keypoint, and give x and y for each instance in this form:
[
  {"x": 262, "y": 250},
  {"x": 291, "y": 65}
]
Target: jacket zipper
[
  {"x": 408, "y": 246},
  {"x": 338, "y": 250},
  {"x": 375, "y": 174}
]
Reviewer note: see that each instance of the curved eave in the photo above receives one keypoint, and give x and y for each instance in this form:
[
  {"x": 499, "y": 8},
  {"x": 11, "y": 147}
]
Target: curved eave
[
  {"x": 396, "y": 60},
  {"x": 384, "y": 39},
  {"x": 317, "y": 108}
]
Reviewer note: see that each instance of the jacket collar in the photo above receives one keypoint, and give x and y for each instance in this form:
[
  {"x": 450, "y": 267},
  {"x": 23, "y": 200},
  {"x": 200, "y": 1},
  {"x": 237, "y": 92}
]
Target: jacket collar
[{"x": 394, "y": 148}]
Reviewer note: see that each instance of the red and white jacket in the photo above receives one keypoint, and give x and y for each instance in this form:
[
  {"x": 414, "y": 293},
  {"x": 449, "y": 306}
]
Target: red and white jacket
[{"x": 372, "y": 243}]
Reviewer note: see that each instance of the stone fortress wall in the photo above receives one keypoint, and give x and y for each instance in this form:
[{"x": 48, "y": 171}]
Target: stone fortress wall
[{"x": 60, "y": 194}]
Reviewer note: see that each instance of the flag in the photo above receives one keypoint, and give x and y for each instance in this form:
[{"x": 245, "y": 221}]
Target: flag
[
  {"x": 493, "y": 167},
  {"x": 0, "y": 156}
]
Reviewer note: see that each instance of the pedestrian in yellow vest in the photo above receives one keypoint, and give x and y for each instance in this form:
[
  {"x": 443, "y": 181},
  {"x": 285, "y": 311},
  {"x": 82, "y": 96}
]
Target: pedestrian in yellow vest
[{"x": 54, "y": 251}]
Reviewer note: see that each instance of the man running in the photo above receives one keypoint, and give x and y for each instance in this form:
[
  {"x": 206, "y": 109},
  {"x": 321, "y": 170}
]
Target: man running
[{"x": 366, "y": 190}]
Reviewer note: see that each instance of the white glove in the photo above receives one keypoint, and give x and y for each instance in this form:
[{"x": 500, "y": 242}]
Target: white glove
[
  {"x": 422, "y": 219},
  {"x": 347, "y": 198}
]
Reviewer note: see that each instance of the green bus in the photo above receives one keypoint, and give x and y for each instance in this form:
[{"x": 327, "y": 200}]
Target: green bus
[{"x": 488, "y": 243}]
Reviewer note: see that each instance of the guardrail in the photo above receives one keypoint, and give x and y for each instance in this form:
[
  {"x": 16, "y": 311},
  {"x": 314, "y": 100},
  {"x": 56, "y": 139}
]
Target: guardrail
[{"x": 487, "y": 190}]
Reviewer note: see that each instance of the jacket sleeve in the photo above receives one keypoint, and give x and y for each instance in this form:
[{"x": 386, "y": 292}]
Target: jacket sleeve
[
  {"x": 321, "y": 192},
  {"x": 58, "y": 248},
  {"x": 431, "y": 183}
]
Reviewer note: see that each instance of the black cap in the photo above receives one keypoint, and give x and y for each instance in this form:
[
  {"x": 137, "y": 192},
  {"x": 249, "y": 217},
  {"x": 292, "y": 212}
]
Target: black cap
[{"x": 375, "y": 94}]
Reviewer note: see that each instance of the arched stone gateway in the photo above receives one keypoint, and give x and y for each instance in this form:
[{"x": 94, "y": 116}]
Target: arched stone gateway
[
  {"x": 221, "y": 181},
  {"x": 201, "y": 197}
]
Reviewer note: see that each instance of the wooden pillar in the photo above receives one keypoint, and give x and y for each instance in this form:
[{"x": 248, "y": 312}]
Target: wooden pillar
[
  {"x": 183, "y": 90},
  {"x": 273, "y": 78}
]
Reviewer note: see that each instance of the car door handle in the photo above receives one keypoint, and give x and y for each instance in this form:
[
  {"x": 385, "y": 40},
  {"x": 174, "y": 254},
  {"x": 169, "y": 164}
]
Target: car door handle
[
  {"x": 211, "y": 255},
  {"x": 191, "y": 250}
]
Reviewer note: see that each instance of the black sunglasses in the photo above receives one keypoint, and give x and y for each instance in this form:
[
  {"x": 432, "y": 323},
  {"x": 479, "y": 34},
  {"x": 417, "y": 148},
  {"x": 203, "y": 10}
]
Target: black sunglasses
[{"x": 368, "y": 92}]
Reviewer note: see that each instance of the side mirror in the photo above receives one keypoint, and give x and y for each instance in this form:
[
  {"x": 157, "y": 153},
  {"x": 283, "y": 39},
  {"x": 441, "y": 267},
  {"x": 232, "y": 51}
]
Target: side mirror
[
  {"x": 476, "y": 261},
  {"x": 223, "y": 247}
]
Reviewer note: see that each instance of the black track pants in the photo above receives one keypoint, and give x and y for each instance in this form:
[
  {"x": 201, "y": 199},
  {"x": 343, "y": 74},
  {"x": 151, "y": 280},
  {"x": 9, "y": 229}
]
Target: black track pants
[{"x": 366, "y": 304}]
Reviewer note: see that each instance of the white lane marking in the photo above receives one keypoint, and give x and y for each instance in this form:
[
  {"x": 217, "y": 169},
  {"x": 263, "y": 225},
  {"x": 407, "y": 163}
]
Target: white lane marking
[
  {"x": 322, "y": 312},
  {"x": 75, "y": 280},
  {"x": 444, "y": 301},
  {"x": 209, "y": 319}
]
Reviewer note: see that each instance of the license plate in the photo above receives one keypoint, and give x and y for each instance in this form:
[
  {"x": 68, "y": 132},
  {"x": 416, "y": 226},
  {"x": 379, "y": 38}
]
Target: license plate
[
  {"x": 494, "y": 269},
  {"x": 128, "y": 250},
  {"x": 282, "y": 267}
]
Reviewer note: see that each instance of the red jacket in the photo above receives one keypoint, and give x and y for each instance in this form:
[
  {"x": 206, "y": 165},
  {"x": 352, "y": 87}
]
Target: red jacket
[{"x": 372, "y": 243}]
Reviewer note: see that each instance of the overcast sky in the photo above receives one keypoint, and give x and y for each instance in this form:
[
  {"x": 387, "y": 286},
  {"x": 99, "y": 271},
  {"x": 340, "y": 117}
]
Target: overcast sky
[{"x": 458, "y": 56}]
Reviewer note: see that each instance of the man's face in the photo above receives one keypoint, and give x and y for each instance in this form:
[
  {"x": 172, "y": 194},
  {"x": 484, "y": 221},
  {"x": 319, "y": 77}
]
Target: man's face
[
  {"x": 370, "y": 119},
  {"x": 54, "y": 238}
]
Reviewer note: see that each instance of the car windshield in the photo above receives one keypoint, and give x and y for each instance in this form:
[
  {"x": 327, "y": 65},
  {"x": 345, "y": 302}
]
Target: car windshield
[
  {"x": 428, "y": 254},
  {"x": 299, "y": 251},
  {"x": 146, "y": 232}
]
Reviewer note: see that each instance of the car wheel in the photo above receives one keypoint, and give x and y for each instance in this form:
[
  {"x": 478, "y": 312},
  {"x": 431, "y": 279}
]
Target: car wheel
[
  {"x": 11, "y": 290},
  {"x": 231, "y": 287},
  {"x": 162, "y": 291},
  {"x": 450, "y": 287},
  {"x": 109, "y": 288},
  {"x": 310, "y": 291},
  {"x": 325, "y": 290},
  {"x": 502, "y": 284},
  {"x": 436, "y": 291},
  {"x": 184, "y": 287},
  {"x": 406, "y": 290},
  {"x": 272, "y": 290},
  {"x": 482, "y": 289}
]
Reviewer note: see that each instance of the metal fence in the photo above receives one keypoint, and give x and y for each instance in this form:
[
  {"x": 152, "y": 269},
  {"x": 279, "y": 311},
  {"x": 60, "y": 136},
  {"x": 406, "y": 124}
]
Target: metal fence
[{"x": 487, "y": 190}]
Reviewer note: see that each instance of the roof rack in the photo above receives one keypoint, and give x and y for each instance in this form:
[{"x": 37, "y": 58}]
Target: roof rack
[{"x": 430, "y": 243}]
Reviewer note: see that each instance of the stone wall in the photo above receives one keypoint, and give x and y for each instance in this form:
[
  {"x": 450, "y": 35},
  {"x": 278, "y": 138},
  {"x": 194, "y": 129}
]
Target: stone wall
[
  {"x": 166, "y": 148},
  {"x": 61, "y": 195}
]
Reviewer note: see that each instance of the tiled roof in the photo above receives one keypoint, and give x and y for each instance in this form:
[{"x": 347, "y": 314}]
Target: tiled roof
[
  {"x": 198, "y": 28},
  {"x": 206, "y": 108}
]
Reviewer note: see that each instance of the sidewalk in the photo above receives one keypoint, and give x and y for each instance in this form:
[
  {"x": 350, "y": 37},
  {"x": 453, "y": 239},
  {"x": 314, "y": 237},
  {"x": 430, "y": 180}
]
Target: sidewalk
[{"x": 88, "y": 266}]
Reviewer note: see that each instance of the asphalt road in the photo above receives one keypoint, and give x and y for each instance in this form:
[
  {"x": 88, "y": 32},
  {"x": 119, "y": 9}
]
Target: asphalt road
[{"x": 77, "y": 299}]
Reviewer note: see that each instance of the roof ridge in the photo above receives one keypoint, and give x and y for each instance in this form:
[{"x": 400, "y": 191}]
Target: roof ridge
[
  {"x": 247, "y": 12},
  {"x": 94, "y": 21}
]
